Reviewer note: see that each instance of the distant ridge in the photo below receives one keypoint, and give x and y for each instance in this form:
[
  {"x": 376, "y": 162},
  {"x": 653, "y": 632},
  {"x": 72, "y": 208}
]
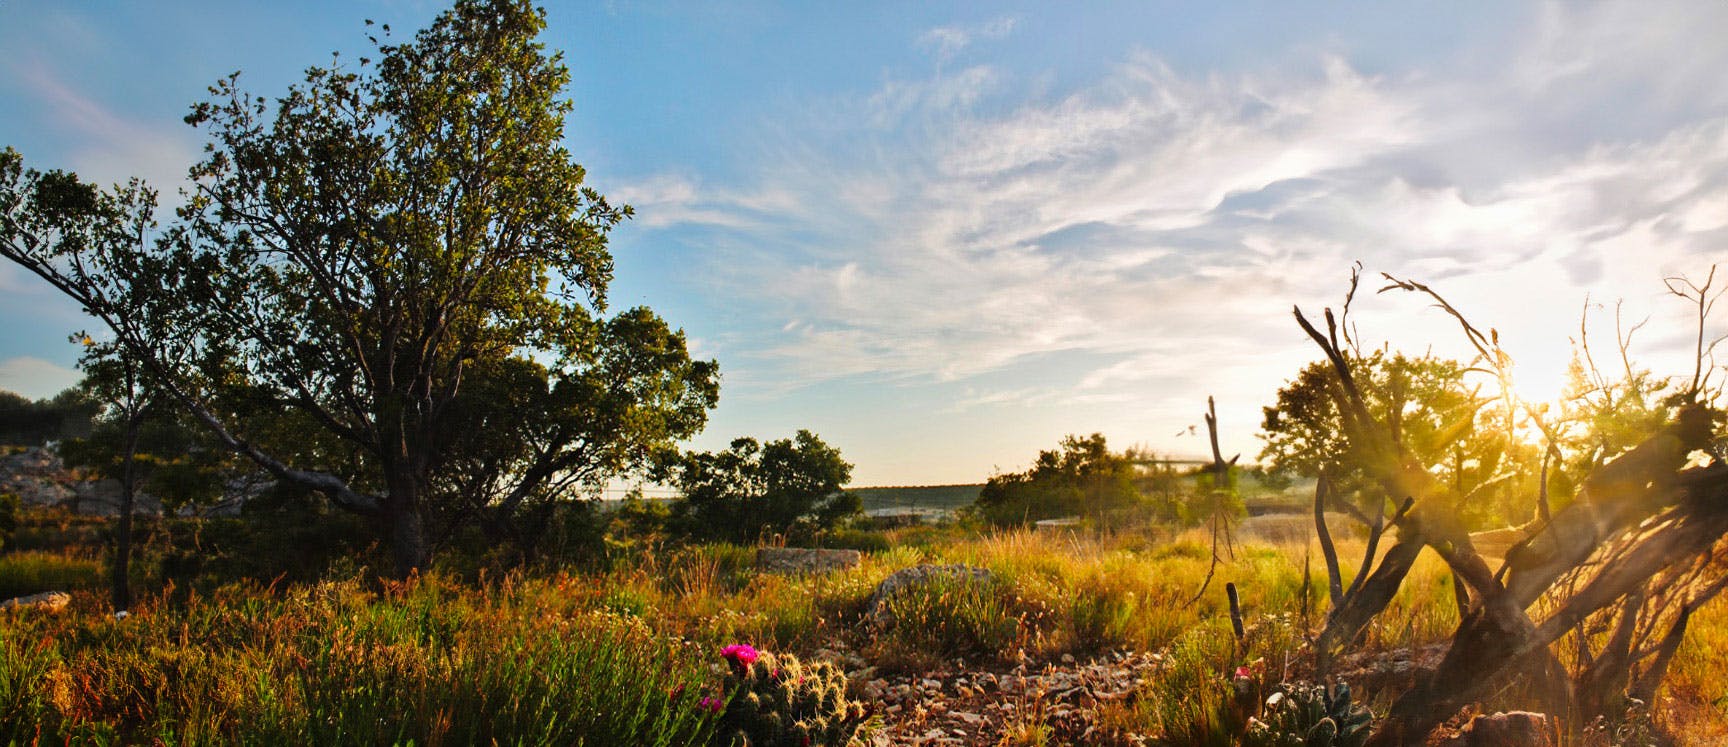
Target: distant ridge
[{"x": 945, "y": 497}]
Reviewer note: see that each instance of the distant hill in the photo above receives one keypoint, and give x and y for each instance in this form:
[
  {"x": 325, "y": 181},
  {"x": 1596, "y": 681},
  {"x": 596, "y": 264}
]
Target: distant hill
[{"x": 944, "y": 497}]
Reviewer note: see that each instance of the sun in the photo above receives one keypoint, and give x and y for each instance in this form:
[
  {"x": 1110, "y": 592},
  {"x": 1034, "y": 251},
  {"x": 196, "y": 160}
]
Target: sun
[{"x": 1541, "y": 379}]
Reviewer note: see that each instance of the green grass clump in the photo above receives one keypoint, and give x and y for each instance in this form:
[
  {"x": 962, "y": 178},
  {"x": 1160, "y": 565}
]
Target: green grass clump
[
  {"x": 958, "y": 616},
  {"x": 34, "y": 572},
  {"x": 1192, "y": 700}
]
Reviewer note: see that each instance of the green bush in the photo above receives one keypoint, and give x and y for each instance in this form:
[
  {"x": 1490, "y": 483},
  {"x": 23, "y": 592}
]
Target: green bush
[
  {"x": 288, "y": 544},
  {"x": 422, "y": 663},
  {"x": 1100, "y": 618},
  {"x": 856, "y": 539},
  {"x": 1192, "y": 697}
]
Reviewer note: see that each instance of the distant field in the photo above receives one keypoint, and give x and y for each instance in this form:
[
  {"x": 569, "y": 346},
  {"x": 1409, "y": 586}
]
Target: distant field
[
  {"x": 1260, "y": 498},
  {"x": 943, "y": 497}
]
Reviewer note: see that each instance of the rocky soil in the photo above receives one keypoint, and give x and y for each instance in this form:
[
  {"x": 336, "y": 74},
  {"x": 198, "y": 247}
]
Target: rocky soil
[{"x": 971, "y": 705}]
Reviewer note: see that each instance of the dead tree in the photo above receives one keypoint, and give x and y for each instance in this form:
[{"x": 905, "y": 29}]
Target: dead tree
[
  {"x": 1638, "y": 550},
  {"x": 1219, "y": 518}
]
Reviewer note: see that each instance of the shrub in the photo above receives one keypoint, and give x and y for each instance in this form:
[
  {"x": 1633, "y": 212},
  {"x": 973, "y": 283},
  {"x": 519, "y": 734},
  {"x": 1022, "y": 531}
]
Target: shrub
[
  {"x": 332, "y": 664},
  {"x": 856, "y": 539},
  {"x": 1100, "y": 617},
  {"x": 1191, "y": 697}
]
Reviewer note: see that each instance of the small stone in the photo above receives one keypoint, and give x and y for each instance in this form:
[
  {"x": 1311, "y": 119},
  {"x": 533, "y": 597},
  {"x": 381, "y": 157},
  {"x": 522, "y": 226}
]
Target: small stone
[
  {"x": 47, "y": 601},
  {"x": 1514, "y": 729}
]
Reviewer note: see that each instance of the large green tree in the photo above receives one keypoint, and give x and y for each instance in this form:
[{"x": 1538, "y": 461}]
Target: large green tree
[{"x": 360, "y": 250}]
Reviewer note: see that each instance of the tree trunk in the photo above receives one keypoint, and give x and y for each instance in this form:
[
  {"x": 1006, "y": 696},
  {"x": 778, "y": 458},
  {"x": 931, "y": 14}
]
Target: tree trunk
[
  {"x": 407, "y": 541},
  {"x": 401, "y": 518},
  {"x": 119, "y": 579}
]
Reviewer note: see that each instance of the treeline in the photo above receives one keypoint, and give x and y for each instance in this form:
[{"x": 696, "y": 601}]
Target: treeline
[{"x": 24, "y": 422}]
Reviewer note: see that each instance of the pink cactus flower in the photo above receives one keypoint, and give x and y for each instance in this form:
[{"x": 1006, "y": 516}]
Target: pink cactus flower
[
  {"x": 742, "y": 654},
  {"x": 709, "y": 703}
]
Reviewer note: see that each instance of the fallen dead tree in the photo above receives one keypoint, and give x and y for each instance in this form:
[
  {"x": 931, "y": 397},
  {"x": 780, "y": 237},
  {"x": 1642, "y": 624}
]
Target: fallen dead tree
[{"x": 1588, "y": 609}]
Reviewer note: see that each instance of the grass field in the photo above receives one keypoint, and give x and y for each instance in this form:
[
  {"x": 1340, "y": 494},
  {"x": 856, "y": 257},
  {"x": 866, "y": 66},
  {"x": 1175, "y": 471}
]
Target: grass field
[{"x": 351, "y": 662}]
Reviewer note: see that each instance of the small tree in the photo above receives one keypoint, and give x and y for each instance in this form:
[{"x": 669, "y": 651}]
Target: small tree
[
  {"x": 1453, "y": 427},
  {"x": 752, "y": 489},
  {"x": 1083, "y": 478}
]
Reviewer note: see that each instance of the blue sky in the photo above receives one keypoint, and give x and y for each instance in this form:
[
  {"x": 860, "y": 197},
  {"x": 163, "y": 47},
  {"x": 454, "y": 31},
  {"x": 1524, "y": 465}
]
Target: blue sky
[{"x": 944, "y": 235}]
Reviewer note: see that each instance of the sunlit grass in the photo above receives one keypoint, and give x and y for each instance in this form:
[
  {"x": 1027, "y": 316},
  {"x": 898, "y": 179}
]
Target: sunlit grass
[
  {"x": 33, "y": 572},
  {"x": 621, "y": 655}
]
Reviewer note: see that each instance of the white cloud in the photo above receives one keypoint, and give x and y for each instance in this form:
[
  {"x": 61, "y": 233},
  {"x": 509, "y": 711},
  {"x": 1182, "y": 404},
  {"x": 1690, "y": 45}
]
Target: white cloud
[
  {"x": 1162, "y": 225},
  {"x": 112, "y": 148},
  {"x": 35, "y": 378},
  {"x": 947, "y": 41}
]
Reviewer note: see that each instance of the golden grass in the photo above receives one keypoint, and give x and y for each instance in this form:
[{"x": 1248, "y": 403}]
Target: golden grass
[{"x": 1059, "y": 593}]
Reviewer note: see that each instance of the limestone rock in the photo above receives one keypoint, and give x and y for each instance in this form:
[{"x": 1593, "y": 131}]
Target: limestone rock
[
  {"x": 804, "y": 560},
  {"x": 48, "y": 601},
  {"x": 1514, "y": 729}
]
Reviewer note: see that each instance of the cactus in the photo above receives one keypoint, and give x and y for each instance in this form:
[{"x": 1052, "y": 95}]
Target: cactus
[
  {"x": 778, "y": 700},
  {"x": 1309, "y": 715}
]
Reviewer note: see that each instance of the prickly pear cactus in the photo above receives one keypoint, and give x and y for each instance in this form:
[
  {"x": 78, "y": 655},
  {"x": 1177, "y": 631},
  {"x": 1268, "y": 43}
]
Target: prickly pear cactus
[
  {"x": 1309, "y": 715},
  {"x": 778, "y": 700}
]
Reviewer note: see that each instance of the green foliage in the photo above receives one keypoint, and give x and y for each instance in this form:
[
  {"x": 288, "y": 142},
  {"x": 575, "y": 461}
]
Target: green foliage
[
  {"x": 1218, "y": 498},
  {"x": 173, "y": 459},
  {"x": 1309, "y": 715},
  {"x": 359, "y": 250},
  {"x": 31, "y": 572},
  {"x": 923, "y": 496},
  {"x": 1100, "y": 617},
  {"x": 856, "y": 539},
  {"x": 777, "y": 700},
  {"x": 286, "y": 543},
  {"x": 1452, "y": 427},
  {"x": 1602, "y": 415},
  {"x": 8, "y": 517},
  {"x": 789, "y": 486},
  {"x": 26, "y": 423},
  {"x": 1083, "y": 478}
]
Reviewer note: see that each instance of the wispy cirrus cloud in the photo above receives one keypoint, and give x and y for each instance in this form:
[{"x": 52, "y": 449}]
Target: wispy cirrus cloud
[
  {"x": 948, "y": 41},
  {"x": 111, "y": 147},
  {"x": 1154, "y": 228}
]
